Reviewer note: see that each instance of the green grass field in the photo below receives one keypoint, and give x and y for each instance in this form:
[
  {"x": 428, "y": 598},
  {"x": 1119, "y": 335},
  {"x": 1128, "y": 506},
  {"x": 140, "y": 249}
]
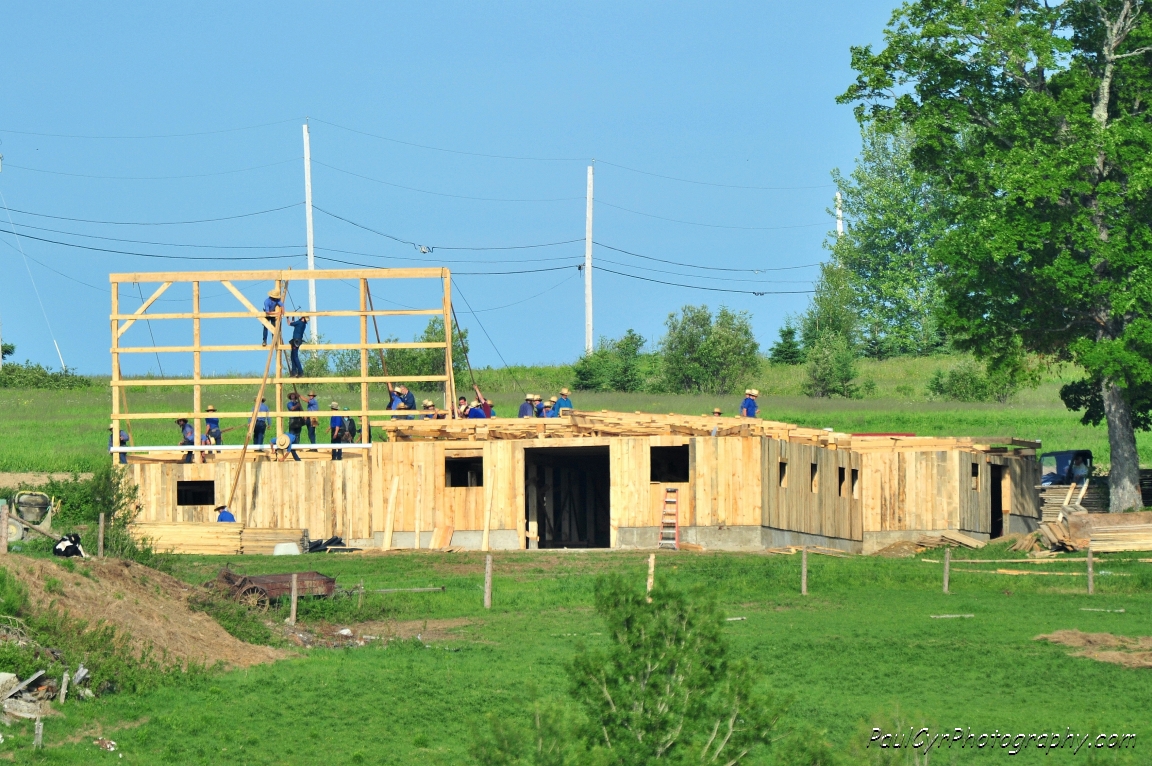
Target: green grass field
[
  {"x": 66, "y": 430},
  {"x": 861, "y": 650}
]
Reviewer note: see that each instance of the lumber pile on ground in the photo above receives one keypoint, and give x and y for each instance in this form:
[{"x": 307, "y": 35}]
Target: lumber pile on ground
[
  {"x": 1056, "y": 536},
  {"x": 1134, "y": 537},
  {"x": 212, "y": 538},
  {"x": 950, "y": 538},
  {"x": 788, "y": 550},
  {"x": 1096, "y": 499}
]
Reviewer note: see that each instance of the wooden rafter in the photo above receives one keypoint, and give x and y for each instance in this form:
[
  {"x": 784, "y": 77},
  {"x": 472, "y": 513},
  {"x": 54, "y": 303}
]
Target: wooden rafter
[{"x": 140, "y": 311}]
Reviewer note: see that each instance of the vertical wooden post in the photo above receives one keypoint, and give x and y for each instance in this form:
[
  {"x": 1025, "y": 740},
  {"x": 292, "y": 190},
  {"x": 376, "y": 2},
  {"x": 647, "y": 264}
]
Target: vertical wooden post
[
  {"x": 196, "y": 406},
  {"x": 115, "y": 382},
  {"x": 295, "y": 595},
  {"x": 100, "y": 539},
  {"x": 3, "y": 525},
  {"x": 804, "y": 571},
  {"x": 651, "y": 575},
  {"x": 390, "y": 520},
  {"x": 450, "y": 382},
  {"x": 279, "y": 364},
  {"x": 418, "y": 516},
  {"x": 38, "y": 738},
  {"x": 947, "y": 567},
  {"x": 364, "y": 433},
  {"x": 488, "y": 581},
  {"x": 1091, "y": 574},
  {"x": 64, "y": 688},
  {"x": 489, "y": 493}
]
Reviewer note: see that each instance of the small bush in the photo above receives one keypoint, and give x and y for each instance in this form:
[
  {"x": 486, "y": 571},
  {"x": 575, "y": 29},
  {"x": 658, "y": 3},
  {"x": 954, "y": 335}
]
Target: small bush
[
  {"x": 705, "y": 355},
  {"x": 29, "y": 375},
  {"x": 615, "y": 365},
  {"x": 787, "y": 350},
  {"x": 831, "y": 369}
]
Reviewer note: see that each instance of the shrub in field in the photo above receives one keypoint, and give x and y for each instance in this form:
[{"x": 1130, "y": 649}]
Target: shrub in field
[
  {"x": 831, "y": 369},
  {"x": 969, "y": 383},
  {"x": 664, "y": 691},
  {"x": 705, "y": 355},
  {"x": 787, "y": 350},
  {"x": 615, "y": 365},
  {"x": 29, "y": 375}
]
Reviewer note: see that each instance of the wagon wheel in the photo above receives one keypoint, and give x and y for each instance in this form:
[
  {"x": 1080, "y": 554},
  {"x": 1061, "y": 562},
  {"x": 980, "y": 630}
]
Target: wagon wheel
[{"x": 254, "y": 597}]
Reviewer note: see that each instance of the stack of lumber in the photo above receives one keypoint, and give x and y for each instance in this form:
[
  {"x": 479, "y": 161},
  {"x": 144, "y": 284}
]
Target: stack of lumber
[
  {"x": 1056, "y": 536},
  {"x": 950, "y": 538},
  {"x": 1027, "y": 543},
  {"x": 1113, "y": 532},
  {"x": 255, "y": 541},
  {"x": 212, "y": 538},
  {"x": 209, "y": 539},
  {"x": 788, "y": 550},
  {"x": 1095, "y": 500}
]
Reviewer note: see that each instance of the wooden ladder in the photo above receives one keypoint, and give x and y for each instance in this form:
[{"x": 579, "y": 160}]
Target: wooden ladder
[{"x": 670, "y": 521}]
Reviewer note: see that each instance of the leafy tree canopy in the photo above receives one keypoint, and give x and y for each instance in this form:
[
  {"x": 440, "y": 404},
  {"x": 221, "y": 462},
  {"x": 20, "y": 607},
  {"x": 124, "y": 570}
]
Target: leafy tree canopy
[
  {"x": 1033, "y": 119},
  {"x": 702, "y": 355}
]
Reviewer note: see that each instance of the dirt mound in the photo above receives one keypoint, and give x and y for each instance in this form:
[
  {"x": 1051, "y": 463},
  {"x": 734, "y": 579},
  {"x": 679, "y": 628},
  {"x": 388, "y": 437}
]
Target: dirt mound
[
  {"x": 901, "y": 549},
  {"x": 1105, "y": 647},
  {"x": 150, "y": 606},
  {"x": 324, "y": 634}
]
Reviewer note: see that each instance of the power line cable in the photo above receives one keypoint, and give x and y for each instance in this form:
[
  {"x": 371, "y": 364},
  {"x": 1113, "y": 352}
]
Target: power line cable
[
  {"x": 159, "y": 223},
  {"x": 708, "y": 225},
  {"x": 55, "y": 271},
  {"x": 431, "y": 248},
  {"x": 156, "y": 255},
  {"x": 710, "y": 289},
  {"x": 149, "y": 323},
  {"x": 481, "y": 324},
  {"x": 708, "y": 183},
  {"x": 63, "y": 367},
  {"x": 537, "y": 295},
  {"x": 463, "y": 273},
  {"x": 152, "y": 178},
  {"x": 451, "y": 151},
  {"x": 708, "y": 268},
  {"x": 165, "y": 244},
  {"x": 744, "y": 280},
  {"x": 447, "y": 260},
  {"x": 167, "y": 135},
  {"x": 439, "y": 194}
]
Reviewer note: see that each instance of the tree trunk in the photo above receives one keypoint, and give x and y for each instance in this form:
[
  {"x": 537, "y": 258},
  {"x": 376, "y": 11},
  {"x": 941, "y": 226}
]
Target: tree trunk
[{"x": 1124, "y": 475}]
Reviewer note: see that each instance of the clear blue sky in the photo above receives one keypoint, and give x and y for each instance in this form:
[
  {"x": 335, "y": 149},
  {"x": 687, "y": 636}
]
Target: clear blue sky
[{"x": 740, "y": 94}]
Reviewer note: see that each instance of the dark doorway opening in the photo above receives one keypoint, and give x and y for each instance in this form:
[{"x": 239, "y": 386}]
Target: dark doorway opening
[
  {"x": 670, "y": 464},
  {"x": 195, "y": 493},
  {"x": 567, "y": 492},
  {"x": 996, "y": 487}
]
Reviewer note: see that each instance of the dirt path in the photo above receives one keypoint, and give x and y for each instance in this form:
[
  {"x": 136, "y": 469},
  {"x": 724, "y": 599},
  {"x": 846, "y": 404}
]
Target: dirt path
[
  {"x": 150, "y": 606},
  {"x": 14, "y": 480}
]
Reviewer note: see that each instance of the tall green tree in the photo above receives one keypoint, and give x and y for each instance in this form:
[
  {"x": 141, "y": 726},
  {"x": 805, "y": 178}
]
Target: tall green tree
[
  {"x": 894, "y": 217},
  {"x": 615, "y": 365},
  {"x": 1034, "y": 119},
  {"x": 832, "y": 309},
  {"x": 705, "y": 355}
]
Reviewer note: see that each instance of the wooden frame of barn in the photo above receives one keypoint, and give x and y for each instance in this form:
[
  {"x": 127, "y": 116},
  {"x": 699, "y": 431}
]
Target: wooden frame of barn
[{"x": 583, "y": 480}]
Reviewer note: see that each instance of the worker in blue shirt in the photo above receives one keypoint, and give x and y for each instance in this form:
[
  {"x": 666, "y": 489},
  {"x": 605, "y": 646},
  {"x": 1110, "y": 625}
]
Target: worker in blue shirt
[
  {"x": 223, "y": 514},
  {"x": 295, "y": 368},
  {"x": 475, "y": 410},
  {"x": 563, "y": 402},
  {"x": 313, "y": 420},
  {"x": 552, "y": 411},
  {"x": 272, "y": 308},
  {"x": 187, "y": 437},
  {"x": 748, "y": 407},
  {"x": 123, "y": 456},
  {"x": 336, "y": 431},
  {"x": 537, "y": 406},
  {"x": 528, "y": 408},
  {"x": 261, "y": 424},
  {"x": 212, "y": 427}
]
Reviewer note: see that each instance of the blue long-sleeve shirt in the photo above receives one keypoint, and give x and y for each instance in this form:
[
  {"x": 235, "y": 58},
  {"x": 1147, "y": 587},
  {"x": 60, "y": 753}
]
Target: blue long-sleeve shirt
[
  {"x": 313, "y": 405},
  {"x": 563, "y": 402},
  {"x": 748, "y": 407},
  {"x": 263, "y": 418},
  {"x": 211, "y": 423},
  {"x": 271, "y": 304},
  {"x": 526, "y": 410},
  {"x": 298, "y": 329}
]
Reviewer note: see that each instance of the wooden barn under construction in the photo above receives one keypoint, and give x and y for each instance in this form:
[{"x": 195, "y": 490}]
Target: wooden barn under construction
[{"x": 582, "y": 480}]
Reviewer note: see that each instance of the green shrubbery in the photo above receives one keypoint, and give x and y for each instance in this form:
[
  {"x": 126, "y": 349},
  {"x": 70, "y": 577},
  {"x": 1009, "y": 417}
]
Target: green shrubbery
[
  {"x": 969, "y": 383},
  {"x": 29, "y": 375}
]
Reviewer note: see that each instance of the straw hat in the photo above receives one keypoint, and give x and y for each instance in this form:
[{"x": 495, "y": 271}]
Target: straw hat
[
  {"x": 753, "y": 393},
  {"x": 275, "y": 293},
  {"x": 283, "y": 442},
  {"x": 179, "y": 420},
  {"x": 334, "y": 406},
  {"x": 554, "y": 399},
  {"x": 311, "y": 393},
  {"x": 428, "y": 404},
  {"x": 529, "y": 397},
  {"x": 211, "y": 408},
  {"x": 715, "y": 410},
  {"x": 474, "y": 403},
  {"x": 564, "y": 392}
]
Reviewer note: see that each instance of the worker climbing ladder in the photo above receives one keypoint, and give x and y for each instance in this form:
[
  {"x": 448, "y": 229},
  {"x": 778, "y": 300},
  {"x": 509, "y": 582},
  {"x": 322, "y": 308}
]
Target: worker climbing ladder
[{"x": 670, "y": 521}]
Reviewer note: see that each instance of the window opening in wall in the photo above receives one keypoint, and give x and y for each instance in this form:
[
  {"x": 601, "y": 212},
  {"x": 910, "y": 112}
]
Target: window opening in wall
[
  {"x": 463, "y": 472},
  {"x": 669, "y": 464},
  {"x": 784, "y": 474},
  {"x": 856, "y": 482},
  {"x": 815, "y": 479},
  {"x": 975, "y": 477},
  {"x": 841, "y": 476},
  {"x": 195, "y": 493}
]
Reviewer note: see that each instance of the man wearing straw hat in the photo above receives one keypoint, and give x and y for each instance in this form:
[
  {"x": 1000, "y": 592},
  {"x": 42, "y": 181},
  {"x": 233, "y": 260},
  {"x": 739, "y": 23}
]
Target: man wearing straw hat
[
  {"x": 187, "y": 437},
  {"x": 563, "y": 402},
  {"x": 429, "y": 408},
  {"x": 272, "y": 308},
  {"x": 336, "y": 430},
  {"x": 212, "y": 427},
  {"x": 527, "y": 409},
  {"x": 748, "y": 406},
  {"x": 552, "y": 411}
]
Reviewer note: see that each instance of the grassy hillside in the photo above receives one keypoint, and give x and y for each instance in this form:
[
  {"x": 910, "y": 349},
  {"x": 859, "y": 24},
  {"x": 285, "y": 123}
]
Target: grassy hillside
[{"x": 67, "y": 430}]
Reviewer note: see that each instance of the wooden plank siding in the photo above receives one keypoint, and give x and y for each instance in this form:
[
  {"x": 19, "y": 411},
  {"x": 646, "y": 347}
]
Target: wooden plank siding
[
  {"x": 796, "y": 503},
  {"x": 630, "y": 471},
  {"x": 725, "y": 478}
]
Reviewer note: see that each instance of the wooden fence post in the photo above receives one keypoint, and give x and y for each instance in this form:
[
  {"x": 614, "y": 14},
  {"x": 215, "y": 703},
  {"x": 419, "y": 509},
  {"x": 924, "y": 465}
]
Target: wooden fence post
[
  {"x": 64, "y": 688},
  {"x": 947, "y": 567},
  {"x": 1091, "y": 574},
  {"x": 488, "y": 582},
  {"x": 295, "y": 593},
  {"x": 38, "y": 741},
  {"x": 100, "y": 539},
  {"x": 651, "y": 574},
  {"x": 804, "y": 571},
  {"x": 3, "y": 526}
]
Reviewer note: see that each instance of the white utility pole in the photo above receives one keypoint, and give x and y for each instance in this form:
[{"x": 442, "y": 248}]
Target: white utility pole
[
  {"x": 839, "y": 215},
  {"x": 588, "y": 270},
  {"x": 312, "y": 322}
]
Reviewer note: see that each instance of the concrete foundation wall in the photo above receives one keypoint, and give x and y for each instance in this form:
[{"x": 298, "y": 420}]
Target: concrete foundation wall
[
  {"x": 1015, "y": 524},
  {"x": 779, "y": 538}
]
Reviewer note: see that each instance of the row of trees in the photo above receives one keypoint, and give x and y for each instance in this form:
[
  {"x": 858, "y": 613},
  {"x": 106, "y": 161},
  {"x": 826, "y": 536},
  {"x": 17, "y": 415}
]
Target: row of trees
[
  {"x": 1002, "y": 205},
  {"x": 699, "y": 353}
]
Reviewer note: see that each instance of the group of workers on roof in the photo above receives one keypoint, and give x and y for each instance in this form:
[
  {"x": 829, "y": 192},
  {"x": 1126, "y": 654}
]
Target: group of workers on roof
[{"x": 534, "y": 406}]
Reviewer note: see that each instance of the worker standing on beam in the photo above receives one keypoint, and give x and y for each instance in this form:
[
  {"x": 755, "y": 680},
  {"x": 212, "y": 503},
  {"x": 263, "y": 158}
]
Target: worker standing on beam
[
  {"x": 313, "y": 420},
  {"x": 187, "y": 437},
  {"x": 261, "y": 424},
  {"x": 295, "y": 368},
  {"x": 563, "y": 402},
  {"x": 272, "y": 308},
  {"x": 123, "y": 456},
  {"x": 336, "y": 430}
]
